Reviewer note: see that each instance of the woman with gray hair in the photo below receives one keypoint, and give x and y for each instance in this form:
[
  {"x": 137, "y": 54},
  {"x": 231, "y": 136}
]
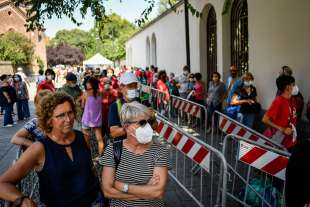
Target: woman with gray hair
[{"x": 137, "y": 174}]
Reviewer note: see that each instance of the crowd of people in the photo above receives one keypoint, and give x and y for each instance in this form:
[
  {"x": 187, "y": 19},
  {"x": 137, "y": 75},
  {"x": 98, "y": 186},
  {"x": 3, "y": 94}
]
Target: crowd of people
[{"x": 110, "y": 105}]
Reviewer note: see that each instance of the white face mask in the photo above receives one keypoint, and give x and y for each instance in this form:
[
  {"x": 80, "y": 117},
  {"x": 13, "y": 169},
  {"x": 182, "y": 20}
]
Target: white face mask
[
  {"x": 132, "y": 94},
  {"x": 295, "y": 90},
  {"x": 248, "y": 83},
  {"x": 144, "y": 134}
]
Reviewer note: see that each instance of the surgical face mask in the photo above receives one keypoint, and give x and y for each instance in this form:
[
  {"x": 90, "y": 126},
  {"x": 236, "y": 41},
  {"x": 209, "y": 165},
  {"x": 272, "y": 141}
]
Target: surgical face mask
[
  {"x": 248, "y": 83},
  {"x": 16, "y": 79},
  {"x": 144, "y": 134},
  {"x": 131, "y": 94},
  {"x": 295, "y": 90}
]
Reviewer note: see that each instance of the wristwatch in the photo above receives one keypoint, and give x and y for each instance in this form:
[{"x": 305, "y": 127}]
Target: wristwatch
[
  {"x": 18, "y": 202},
  {"x": 125, "y": 188}
]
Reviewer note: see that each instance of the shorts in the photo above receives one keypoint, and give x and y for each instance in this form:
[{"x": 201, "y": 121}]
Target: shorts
[{"x": 86, "y": 126}]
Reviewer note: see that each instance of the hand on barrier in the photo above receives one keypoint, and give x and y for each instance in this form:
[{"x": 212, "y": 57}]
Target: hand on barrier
[{"x": 287, "y": 131}]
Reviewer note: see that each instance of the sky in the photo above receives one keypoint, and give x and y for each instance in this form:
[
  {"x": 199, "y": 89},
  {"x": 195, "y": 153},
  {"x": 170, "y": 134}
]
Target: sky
[{"x": 128, "y": 9}]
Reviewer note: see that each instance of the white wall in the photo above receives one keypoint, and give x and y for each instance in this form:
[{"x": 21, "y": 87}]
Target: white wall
[
  {"x": 170, "y": 43},
  {"x": 279, "y": 34}
]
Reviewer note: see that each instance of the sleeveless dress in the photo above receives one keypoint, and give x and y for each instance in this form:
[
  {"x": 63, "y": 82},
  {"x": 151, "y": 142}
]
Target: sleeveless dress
[
  {"x": 67, "y": 183},
  {"x": 92, "y": 115}
]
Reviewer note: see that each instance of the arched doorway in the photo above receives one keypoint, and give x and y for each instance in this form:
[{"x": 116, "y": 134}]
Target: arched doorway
[
  {"x": 153, "y": 50},
  {"x": 239, "y": 36},
  {"x": 211, "y": 44},
  {"x": 148, "y": 51}
]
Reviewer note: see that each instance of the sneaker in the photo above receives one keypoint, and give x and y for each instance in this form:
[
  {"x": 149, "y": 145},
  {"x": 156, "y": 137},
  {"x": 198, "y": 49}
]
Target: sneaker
[{"x": 8, "y": 125}]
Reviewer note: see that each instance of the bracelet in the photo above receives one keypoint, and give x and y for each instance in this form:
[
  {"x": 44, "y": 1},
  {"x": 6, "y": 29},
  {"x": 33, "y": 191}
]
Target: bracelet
[
  {"x": 125, "y": 188},
  {"x": 18, "y": 202}
]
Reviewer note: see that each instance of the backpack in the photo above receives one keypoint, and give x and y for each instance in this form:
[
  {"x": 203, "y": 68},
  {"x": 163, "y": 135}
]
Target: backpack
[
  {"x": 3, "y": 100},
  {"x": 117, "y": 151}
]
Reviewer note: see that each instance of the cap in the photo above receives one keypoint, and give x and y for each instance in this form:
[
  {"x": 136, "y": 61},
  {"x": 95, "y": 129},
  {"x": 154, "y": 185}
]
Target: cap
[
  {"x": 71, "y": 77},
  {"x": 128, "y": 78}
]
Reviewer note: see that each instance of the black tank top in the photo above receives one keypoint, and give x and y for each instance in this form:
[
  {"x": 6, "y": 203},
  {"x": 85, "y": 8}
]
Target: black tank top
[{"x": 67, "y": 183}]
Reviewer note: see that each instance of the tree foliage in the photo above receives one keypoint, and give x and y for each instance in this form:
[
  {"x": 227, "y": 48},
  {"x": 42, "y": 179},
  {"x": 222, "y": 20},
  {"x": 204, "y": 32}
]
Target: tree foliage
[
  {"x": 109, "y": 39},
  {"x": 75, "y": 38},
  {"x": 164, "y": 5},
  {"x": 39, "y": 10},
  {"x": 16, "y": 48},
  {"x": 64, "y": 54},
  {"x": 113, "y": 33}
]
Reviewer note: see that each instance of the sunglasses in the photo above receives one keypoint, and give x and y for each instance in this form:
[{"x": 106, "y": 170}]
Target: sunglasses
[{"x": 142, "y": 122}]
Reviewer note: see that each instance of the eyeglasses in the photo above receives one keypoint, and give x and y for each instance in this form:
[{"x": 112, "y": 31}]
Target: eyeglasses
[{"x": 63, "y": 116}]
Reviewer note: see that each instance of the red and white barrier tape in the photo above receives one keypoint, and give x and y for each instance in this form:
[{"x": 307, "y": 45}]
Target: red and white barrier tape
[
  {"x": 230, "y": 127},
  {"x": 266, "y": 161},
  {"x": 187, "y": 107},
  {"x": 194, "y": 151}
]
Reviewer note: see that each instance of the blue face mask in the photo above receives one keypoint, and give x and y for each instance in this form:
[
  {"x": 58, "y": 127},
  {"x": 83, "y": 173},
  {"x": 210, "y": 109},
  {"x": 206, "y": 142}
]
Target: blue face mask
[{"x": 131, "y": 94}]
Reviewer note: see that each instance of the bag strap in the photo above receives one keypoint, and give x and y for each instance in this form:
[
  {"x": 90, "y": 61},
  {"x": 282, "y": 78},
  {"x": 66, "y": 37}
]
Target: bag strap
[
  {"x": 117, "y": 151},
  {"x": 119, "y": 106}
]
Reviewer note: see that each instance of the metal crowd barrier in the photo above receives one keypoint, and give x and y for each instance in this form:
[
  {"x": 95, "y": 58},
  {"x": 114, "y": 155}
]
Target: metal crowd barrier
[
  {"x": 188, "y": 114},
  {"x": 223, "y": 125},
  {"x": 257, "y": 173},
  {"x": 187, "y": 151}
]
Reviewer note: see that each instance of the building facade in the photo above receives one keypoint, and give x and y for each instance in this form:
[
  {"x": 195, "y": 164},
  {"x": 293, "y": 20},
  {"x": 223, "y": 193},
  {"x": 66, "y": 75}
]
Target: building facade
[
  {"x": 14, "y": 19},
  {"x": 258, "y": 36}
]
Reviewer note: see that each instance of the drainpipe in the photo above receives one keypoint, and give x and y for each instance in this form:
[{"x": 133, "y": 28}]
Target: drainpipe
[{"x": 188, "y": 55}]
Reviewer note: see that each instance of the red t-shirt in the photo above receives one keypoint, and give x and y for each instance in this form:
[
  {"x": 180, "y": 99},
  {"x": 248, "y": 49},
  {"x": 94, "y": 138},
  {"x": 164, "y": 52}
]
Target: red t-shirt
[
  {"x": 149, "y": 76},
  {"x": 138, "y": 73},
  {"x": 282, "y": 112},
  {"x": 46, "y": 85},
  {"x": 163, "y": 87},
  {"x": 199, "y": 91}
]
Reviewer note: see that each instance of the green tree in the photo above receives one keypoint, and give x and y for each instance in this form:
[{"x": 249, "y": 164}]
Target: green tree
[
  {"x": 113, "y": 33},
  {"x": 163, "y": 5},
  {"x": 16, "y": 48},
  {"x": 39, "y": 10},
  {"x": 40, "y": 63},
  {"x": 75, "y": 38}
]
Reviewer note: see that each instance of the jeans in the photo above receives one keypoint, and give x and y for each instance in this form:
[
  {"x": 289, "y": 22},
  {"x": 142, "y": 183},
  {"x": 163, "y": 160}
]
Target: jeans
[
  {"x": 22, "y": 109},
  {"x": 8, "y": 119},
  {"x": 246, "y": 118},
  {"x": 211, "y": 109}
]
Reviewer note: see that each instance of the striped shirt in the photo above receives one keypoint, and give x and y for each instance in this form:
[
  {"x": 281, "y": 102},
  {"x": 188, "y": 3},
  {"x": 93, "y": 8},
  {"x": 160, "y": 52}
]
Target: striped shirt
[{"x": 136, "y": 169}]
